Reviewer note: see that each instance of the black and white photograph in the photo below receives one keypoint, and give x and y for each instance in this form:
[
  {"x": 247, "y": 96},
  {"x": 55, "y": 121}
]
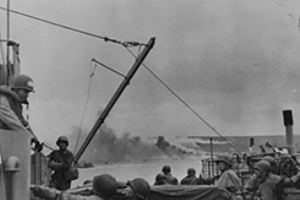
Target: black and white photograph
[{"x": 150, "y": 99}]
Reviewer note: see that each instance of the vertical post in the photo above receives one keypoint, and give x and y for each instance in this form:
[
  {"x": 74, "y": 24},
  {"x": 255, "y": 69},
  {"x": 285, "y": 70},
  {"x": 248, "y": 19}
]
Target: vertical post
[
  {"x": 212, "y": 156},
  {"x": 288, "y": 123},
  {"x": 7, "y": 43}
]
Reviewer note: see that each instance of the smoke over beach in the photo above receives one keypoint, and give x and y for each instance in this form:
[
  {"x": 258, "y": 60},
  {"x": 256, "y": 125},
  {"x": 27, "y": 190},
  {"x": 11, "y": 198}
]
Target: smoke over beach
[{"x": 107, "y": 147}]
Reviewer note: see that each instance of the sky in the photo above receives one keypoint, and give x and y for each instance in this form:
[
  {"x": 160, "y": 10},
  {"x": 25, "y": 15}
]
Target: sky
[{"x": 234, "y": 61}]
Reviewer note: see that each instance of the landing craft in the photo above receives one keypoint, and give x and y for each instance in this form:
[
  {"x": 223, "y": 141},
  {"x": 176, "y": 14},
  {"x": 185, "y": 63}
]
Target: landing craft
[{"x": 18, "y": 169}]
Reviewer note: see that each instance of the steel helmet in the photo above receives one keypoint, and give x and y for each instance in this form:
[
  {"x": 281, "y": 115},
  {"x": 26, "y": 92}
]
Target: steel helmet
[
  {"x": 23, "y": 82},
  {"x": 105, "y": 185},
  {"x": 191, "y": 171},
  {"x": 140, "y": 187},
  {"x": 225, "y": 158},
  {"x": 62, "y": 139},
  {"x": 160, "y": 177},
  {"x": 263, "y": 166},
  {"x": 166, "y": 169},
  {"x": 270, "y": 159}
]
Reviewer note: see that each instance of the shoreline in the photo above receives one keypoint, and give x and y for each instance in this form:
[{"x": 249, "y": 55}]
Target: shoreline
[
  {"x": 145, "y": 161},
  {"x": 124, "y": 171}
]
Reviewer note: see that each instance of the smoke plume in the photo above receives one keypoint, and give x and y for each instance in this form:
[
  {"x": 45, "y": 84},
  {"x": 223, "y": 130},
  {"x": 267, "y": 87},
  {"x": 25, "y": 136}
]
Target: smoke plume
[{"x": 107, "y": 147}]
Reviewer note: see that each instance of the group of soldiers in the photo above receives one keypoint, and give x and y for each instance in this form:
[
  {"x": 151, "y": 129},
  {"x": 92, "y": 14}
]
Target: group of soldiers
[
  {"x": 104, "y": 187},
  {"x": 265, "y": 183},
  {"x": 12, "y": 99}
]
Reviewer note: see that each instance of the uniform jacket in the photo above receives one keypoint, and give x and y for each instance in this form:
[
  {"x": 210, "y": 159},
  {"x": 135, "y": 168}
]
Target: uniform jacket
[
  {"x": 190, "y": 180},
  {"x": 267, "y": 189},
  {"x": 229, "y": 181},
  {"x": 60, "y": 162},
  {"x": 171, "y": 179},
  {"x": 11, "y": 117}
]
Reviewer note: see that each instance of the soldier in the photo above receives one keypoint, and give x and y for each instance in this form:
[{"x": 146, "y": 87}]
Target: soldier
[
  {"x": 11, "y": 101},
  {"x": 191, "y": 178},
  {"x": 137, "y": 189},
  {"x": 267, "y": 180},
  {"x": 60, "y": 161},
  {"x": 104, "y": 187},
  {"x": 169, "y": 178},
  {"x": 253, "y": 182},
  {"x": 228, "y": 179},
  {"x": 267, "y": 184},
  {"x": 160, "y": 179},
  {"x": 274, "y": 166}
]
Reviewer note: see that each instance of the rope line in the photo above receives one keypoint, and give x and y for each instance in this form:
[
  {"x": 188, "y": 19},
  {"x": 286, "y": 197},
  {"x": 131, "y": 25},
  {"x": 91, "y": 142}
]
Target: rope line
[
  {"x": 105, "y": 38},
  {"x": 125, "y": 44},
  {"x": 229, "y": 142},
  {"x": 48, "y": 146},
  {"x": 91, "y": 74}
]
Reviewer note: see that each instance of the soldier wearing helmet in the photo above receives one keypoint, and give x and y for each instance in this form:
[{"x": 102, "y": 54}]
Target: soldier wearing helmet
[
  {"x": 272, "y": 161},
  {"x": 266, "y": 180},
  {"x": 11, "y": 101},
  {"x": 60, "y": 161},
  {"x": 166, "y": 170},
  {"x": 191, "y": 178},
  {"x": 104, "y": 187},
  {"x": 160, "y": 179},
  {"x": 137, "y": 189},
  {"x": 228, "y": 179},
  {"x": 253, "y": 182}
]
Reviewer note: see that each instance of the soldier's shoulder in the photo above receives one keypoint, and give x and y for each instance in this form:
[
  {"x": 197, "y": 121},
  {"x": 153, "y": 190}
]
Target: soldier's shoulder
[{"x": 69, "y": 152}]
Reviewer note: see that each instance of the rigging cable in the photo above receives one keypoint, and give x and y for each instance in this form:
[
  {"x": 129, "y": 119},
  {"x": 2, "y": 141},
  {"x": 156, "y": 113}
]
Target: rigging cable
[
  {"x": 91, "y": 74},
  {"x": 48, "y": 146},
  {"x": 2, "y": 51},
  {"x": 229, "y": 142},
  {"x": 106, "y": 39},
  {"x": 126, "y": 44},
  {"x": 109, "y": 68}
]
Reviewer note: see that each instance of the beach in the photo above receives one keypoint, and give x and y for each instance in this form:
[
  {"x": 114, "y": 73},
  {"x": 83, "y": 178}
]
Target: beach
[{"x": 145, "y": 169}]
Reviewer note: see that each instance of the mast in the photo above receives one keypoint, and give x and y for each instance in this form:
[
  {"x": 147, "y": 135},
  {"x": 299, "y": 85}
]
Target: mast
[
  {"x": 115, "y": 97},
  {"x": 7, "y": 43}
]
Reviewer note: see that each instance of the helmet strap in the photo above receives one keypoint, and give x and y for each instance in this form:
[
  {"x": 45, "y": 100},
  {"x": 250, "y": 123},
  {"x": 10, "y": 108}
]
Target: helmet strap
[{"x": 27, "y": 115}]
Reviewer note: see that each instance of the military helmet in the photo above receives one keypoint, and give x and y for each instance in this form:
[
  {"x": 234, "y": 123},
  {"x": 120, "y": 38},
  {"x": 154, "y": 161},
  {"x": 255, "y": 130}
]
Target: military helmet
[
  {"x": 263, "y": 166},
  {"x": 270, "y": 159},
  {"x": 62, "y": 139},
  {"x": 23, "y": 82},
  {"x": 166, "y": 169},
  {"x": 105, "y": 185},
  {"x": 224, "y": 158},
  {"x": 191, "y": 171},
  {"x": 140, "y": 187},
  {"x": 160, "y": 177}
]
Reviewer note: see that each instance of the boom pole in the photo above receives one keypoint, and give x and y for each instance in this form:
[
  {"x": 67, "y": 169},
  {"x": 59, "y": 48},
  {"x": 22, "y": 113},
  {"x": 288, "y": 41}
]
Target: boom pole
[{"x": 115, "y": 97}]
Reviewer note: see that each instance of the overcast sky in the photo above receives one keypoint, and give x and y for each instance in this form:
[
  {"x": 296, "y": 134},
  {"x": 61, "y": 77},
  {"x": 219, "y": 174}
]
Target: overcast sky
[{"x": 234, "y": 61}]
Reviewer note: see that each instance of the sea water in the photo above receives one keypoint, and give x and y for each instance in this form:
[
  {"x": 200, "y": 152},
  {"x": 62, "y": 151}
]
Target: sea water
[{"x": 144, "y": 169}]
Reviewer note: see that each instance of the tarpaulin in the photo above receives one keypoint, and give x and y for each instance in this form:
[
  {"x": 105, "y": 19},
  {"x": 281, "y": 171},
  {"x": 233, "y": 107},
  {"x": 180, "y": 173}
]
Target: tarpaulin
[{"x": 188, "y": 192}]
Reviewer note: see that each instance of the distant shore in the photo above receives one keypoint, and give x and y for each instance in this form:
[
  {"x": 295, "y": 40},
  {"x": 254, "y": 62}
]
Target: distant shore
[{"x": 124, "y": 171}]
